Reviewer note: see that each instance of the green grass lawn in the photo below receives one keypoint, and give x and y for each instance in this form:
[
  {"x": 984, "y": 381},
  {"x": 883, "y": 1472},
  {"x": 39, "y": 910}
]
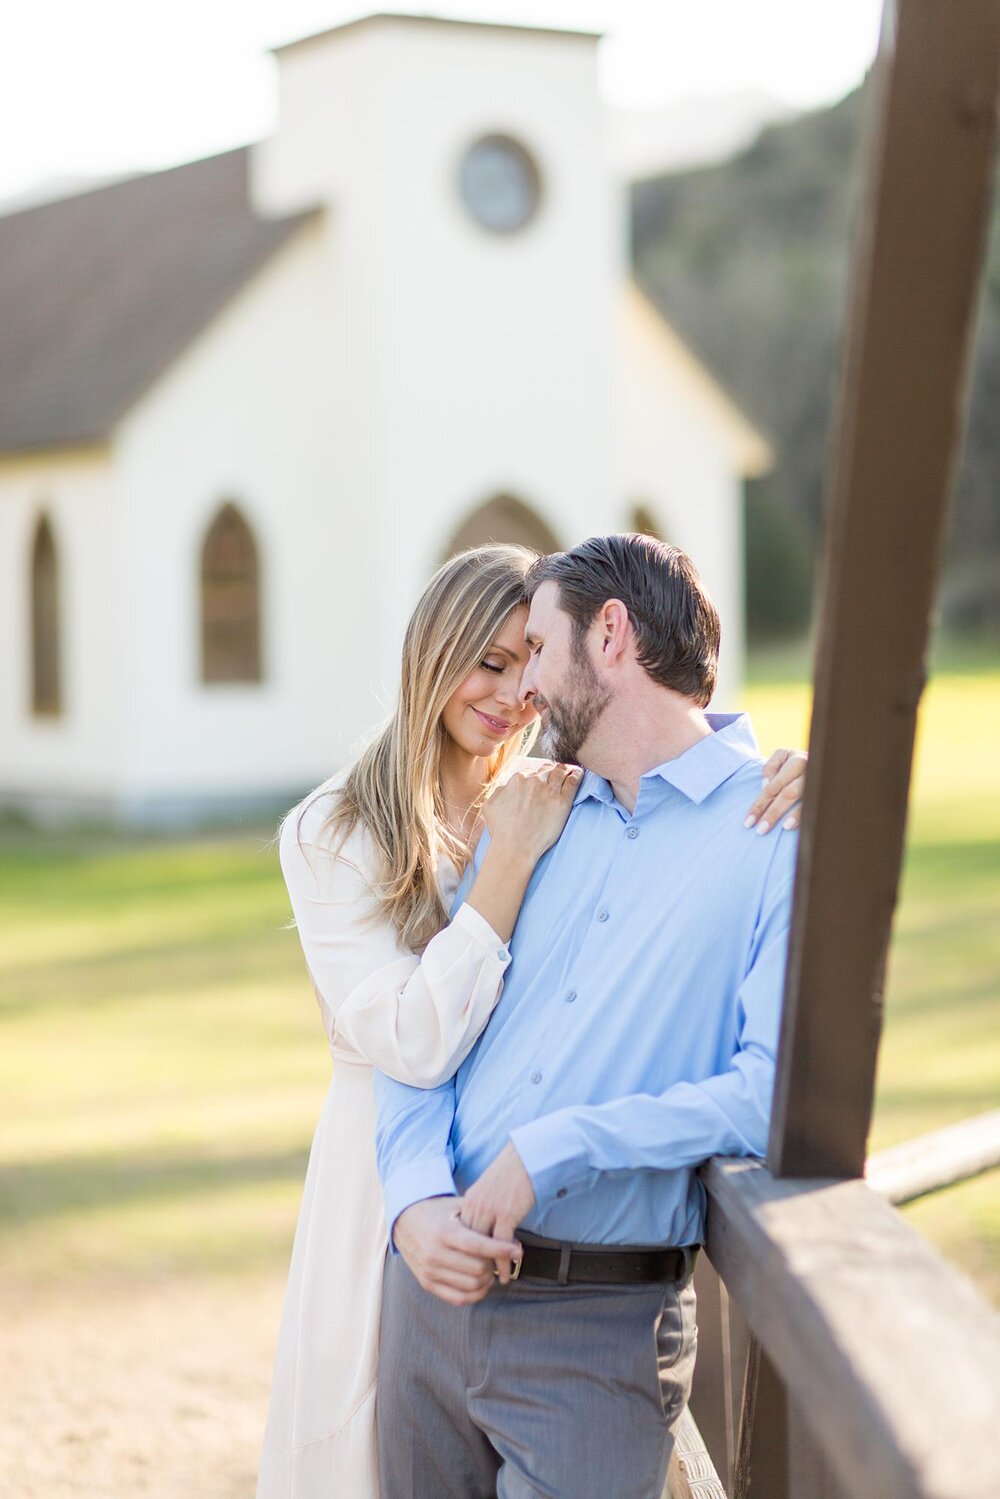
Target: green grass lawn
[{"x": 163, "y": 1064}]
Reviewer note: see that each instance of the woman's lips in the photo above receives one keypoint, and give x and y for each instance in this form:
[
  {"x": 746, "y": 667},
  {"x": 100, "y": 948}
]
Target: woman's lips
[{"x": 495, "y": 725}]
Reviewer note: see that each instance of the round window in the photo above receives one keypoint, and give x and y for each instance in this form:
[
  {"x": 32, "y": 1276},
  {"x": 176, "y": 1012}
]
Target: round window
[{"x": 500, "y": 183}]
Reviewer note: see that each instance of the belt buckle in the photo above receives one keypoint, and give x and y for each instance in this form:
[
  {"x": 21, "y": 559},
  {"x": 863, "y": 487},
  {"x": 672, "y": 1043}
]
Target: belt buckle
[{"x": 516, "y": 1270}]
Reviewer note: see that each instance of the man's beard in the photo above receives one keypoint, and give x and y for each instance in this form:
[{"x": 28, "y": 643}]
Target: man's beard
[{"x": 570, "y": 718}]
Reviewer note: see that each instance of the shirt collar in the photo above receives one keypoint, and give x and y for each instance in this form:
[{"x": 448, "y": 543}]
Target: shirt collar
[
  {"x": 700, "y": 770},
  {"x": 594, "y": 786},
  {"x": 703, "y": 768}
]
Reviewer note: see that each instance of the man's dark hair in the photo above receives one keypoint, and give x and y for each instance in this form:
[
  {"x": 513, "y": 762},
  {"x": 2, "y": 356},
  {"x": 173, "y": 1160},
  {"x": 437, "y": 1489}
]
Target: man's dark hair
[{"x": 675, "y": 622}]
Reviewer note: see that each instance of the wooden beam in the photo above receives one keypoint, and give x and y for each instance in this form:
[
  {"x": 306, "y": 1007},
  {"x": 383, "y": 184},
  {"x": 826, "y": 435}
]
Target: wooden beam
[
  {"x": 712, "y": 1398},
  {"x": 720, "y": 1370},
  {"x": 939, "y": 1159},
  {"x": 809, "y": 1472},
  {"x": 761, "y": 1469},
  {"x": 915, "y": 276},
  {"x": 891, "y": 1355}
]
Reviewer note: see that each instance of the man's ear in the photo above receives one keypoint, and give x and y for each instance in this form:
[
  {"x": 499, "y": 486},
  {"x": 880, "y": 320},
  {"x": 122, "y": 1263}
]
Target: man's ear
[{"x": 616, "y": 631}]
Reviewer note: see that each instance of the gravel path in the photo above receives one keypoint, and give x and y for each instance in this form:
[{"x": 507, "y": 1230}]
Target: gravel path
[{"x": 158, "y": 1391}]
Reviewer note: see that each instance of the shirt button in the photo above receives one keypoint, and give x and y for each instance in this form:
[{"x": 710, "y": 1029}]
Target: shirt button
[
  {"x": 536, "y": 1077},
  {"x": 502, "y": 954},
  {"x": 631, "y": 832},
  {"x": 571, "y": 996},
  {"x": 561, "y": 1192},
  {"x": 602, "y": 915}
]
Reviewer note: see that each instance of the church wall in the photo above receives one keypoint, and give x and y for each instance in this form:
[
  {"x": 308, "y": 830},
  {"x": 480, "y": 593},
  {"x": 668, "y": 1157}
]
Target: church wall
[
  {"x": 677, "y": 460},
  {"x": 68, "y": 761},
  {"x": 502, "y": 374},
  {"x": 250, "y": 414},
  {"x": 486, "y": 357}
]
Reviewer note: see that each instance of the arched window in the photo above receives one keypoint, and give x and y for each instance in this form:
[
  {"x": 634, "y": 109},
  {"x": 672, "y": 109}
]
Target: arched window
[
  {"x": 230, "y": 601},
  {"x": 644, "y": 521},
  {"x": 46, "y": 694},
  {"x": 503, "y": 518}
]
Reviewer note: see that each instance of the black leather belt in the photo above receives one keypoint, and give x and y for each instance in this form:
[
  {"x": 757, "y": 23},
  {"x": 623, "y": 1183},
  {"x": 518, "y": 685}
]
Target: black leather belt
[{"x": 623, "y": 1265}]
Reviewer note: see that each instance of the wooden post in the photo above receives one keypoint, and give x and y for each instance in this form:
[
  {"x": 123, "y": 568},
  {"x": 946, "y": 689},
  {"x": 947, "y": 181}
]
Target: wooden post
[
  {"x": 915, "y": 277},
  {"x": 918, "y": 253},
  {"x": 719, "y": 1376},
  {"x": 761, "y": 1470},
  {"x": 711, "y": 1397}
]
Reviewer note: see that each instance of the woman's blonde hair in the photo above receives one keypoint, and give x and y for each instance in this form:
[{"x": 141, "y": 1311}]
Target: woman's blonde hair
[{"x": 394, "y": 789}]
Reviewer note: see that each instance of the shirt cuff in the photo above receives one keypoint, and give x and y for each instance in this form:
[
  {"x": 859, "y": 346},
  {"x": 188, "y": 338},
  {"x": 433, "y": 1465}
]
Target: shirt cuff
[
  {"x": 468, "y": 919},
  {"x": 430, "y": 1177},
  {"x": 552, "y": 1155}
]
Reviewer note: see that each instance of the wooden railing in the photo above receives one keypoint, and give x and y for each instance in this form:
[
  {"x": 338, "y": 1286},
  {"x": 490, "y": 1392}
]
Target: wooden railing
[
  {"x": 941, "y": 1159},
  {"x": 846, "y": 1301},
  {"x": 840, "y": 1354}
]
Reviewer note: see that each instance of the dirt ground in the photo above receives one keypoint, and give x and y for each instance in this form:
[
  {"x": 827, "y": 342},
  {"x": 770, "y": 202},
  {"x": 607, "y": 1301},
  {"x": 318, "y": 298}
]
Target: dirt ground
[{"x": 157, "y": 1391}]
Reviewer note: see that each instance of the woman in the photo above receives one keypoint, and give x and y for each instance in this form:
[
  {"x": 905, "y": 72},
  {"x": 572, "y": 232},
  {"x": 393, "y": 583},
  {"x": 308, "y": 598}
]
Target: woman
[{"x": 372, "y": 860}]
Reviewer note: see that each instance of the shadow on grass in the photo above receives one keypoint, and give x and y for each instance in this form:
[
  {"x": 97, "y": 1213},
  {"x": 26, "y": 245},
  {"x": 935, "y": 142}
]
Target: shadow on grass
[
  {"x": 77, "y": 871},
  {"x": 957, "y": 1101},
  {"x": 907, "y": 1016},
  {"x": 967, "y": 859},
  {"x": 104, "y": 979},
  {"x": 40, "y": 1189}
]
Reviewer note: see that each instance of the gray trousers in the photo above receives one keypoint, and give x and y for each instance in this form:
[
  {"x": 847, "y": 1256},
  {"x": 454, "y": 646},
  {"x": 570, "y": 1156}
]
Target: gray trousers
[{"x": 566, "y": 1392}]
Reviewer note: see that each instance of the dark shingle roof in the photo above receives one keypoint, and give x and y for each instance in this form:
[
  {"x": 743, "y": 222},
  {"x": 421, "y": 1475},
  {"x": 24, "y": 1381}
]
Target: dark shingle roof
[{"x": 99, "y": 293}]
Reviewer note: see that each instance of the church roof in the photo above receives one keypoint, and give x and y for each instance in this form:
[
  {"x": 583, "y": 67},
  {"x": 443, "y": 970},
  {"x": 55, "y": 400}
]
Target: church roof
[
  {"x": 99, "y": 293},
  {"x": 408, "y": 18}
]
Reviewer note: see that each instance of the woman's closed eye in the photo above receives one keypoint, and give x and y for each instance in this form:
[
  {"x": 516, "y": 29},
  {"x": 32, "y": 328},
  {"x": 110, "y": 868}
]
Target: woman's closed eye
[{"x": 492, "y": 666}]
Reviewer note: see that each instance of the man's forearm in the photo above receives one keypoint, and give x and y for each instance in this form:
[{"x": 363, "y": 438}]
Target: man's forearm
[
  {"x": 568, "y": 1150},
  {"x": 412, "y": 1143}
]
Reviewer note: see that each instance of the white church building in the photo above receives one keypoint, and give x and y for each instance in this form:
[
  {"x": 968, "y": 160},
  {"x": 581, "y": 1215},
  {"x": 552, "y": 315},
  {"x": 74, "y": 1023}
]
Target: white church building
[{"x": 247, "y": 405}]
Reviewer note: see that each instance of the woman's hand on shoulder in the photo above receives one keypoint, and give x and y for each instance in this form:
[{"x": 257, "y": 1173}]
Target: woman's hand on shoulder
[
  {"x": 529, "y": 811},
  {"x": 783, "y": 783}
]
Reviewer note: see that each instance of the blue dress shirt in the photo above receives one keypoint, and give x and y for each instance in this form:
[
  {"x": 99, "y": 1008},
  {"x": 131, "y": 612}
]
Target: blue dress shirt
[{"x": 638, "y": 1024}]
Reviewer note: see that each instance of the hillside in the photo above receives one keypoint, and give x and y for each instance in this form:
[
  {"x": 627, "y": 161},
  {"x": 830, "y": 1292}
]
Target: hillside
[{"x": 748, "y": 259}]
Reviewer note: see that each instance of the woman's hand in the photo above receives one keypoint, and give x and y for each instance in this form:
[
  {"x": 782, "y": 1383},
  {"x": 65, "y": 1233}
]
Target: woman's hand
[
  {"x": 783, "y": 781},
  {"x": 525, "y": 817},
  {"x": 529, "y": 811}
]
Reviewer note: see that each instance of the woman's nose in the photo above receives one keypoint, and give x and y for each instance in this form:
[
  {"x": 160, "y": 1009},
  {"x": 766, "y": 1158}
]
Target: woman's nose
[{"x": 509, "y": 692}]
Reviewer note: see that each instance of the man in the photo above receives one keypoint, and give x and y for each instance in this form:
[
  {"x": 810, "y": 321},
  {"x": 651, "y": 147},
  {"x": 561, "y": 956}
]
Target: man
[{"x": 635, "y": 1037}]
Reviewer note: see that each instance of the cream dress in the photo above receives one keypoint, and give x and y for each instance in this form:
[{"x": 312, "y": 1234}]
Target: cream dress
[{"x": 415, "y": 1018}]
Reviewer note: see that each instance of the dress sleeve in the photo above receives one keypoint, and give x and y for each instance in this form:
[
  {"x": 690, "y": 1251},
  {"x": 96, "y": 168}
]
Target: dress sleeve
[{"x": 415, "y": 1017}]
